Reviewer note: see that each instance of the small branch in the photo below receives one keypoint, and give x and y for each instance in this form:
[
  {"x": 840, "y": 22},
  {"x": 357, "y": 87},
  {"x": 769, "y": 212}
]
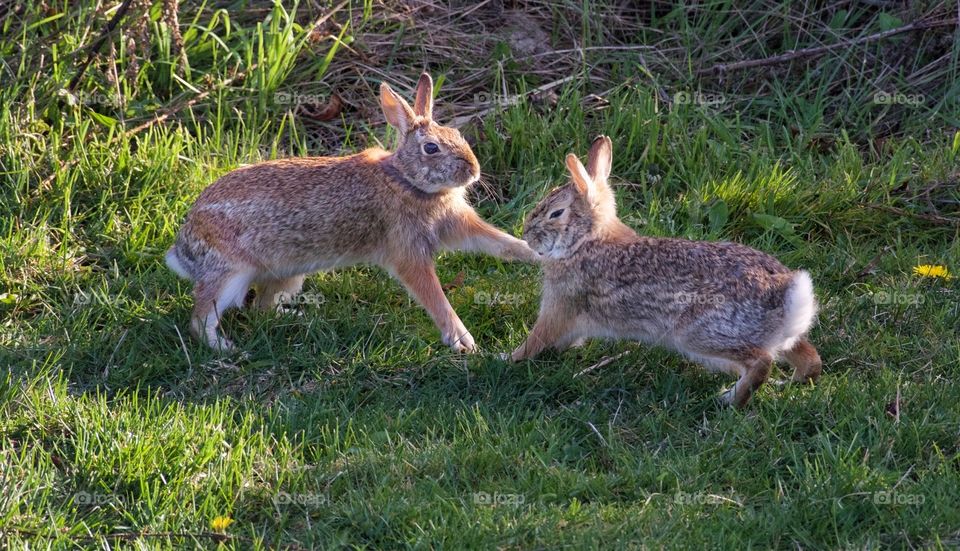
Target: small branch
[
  {"x": 95, "y": 47},
  {"x": 163, "y": 114},
  {"x": 323, "y": 18},
  {"x": 935, "y": 218},
  {"x": 785, "y": 57},
  {"x": 511, "y": 100},
  {"x": 870, "y": 267},
  {"x": 159, "y": 116},
  {"x": 603, "y": 362}
]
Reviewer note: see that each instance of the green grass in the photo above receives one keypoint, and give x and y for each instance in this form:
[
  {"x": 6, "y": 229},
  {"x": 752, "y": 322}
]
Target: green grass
[{"x": 349, "y": 424}]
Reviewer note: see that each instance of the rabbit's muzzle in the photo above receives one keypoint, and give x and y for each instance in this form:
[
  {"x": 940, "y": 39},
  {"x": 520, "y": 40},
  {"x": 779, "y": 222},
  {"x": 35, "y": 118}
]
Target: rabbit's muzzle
[
  {"x": 539, "y": 240},
  {"x": 466, "y": 172}
]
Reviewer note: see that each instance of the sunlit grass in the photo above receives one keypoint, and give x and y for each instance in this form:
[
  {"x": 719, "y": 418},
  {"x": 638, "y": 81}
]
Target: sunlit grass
[{"x": 348, "y": 423}]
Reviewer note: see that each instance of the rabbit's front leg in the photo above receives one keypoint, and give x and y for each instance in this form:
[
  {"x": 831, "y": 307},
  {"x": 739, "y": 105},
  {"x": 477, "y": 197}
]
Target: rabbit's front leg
[
  {"x": 469, "y": 232},
  {"x": 552, "y": 329},
  {"x": 420, "y": 278}
]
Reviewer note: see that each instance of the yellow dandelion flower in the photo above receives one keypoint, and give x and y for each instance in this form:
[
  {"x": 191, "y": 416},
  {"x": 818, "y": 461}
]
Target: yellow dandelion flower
[
  {"x": 220, "y": 524},
  {"x": 928, "y": 270}
]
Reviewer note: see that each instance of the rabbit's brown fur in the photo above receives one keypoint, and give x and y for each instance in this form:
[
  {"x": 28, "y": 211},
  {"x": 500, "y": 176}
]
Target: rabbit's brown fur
[
  {"x": 271, "y": 224},
  {"x": 725, "y": 305}
]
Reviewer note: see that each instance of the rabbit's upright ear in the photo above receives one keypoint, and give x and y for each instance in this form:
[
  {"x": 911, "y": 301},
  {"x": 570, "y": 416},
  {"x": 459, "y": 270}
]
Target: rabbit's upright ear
[
  {"x": 423, "y": 105},
  {"x": 581, "y": 180},
  {"x": 395, "y": 109},
  {"x": 600, "y": 159}
]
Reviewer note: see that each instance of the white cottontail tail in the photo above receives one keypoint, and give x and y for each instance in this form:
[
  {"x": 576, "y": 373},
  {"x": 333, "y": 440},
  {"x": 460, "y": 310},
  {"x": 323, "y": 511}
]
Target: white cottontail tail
[
  {"x": 271, "y": 224},
  {"x": 724, "y": 305}
]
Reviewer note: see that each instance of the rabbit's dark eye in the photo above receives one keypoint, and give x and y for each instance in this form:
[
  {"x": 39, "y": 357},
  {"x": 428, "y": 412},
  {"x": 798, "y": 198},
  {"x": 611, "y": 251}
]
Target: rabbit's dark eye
[
  {"x": 430, "y": 148},
  {"x": 556, "y": 213}
]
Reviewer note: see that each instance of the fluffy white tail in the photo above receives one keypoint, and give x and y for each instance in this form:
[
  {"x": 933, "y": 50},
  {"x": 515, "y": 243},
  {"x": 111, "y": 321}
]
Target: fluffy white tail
[
  {"x": 174, "y": 263},
  {"x": 799, "y": 309}
]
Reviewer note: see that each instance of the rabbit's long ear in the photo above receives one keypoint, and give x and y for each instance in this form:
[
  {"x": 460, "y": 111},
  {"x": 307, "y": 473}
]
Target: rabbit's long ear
[
  {"x": 423, "y": 105},
  {"x": 600, "y": 160},
  {"x": 395, "y": 109},
  {"x": 581, "y": 180}
]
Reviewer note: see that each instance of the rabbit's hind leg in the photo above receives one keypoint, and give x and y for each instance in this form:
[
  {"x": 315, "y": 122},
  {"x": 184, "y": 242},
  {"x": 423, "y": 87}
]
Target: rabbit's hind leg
[
  {"x": 752, "y": 366},
  {"x": 213, "y": 295},
  {"x": 805, "y": 360},
  {"x": 756, "y": 370}
]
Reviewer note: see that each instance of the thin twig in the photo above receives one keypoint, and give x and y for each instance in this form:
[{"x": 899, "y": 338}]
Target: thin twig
[
  {"x": 95, "y": 47},
  {"x": 159, "y": 116},
  {"x": 323, "y": 18},
  {"x": 935, "y": 218},
  {"x": 512, "y": 100},
  {"x": 871, "y": 266},
  {"x": 603, "y": 362},
  {"x": 165, "y": 113},
  {"x": 791, "y": 55}
]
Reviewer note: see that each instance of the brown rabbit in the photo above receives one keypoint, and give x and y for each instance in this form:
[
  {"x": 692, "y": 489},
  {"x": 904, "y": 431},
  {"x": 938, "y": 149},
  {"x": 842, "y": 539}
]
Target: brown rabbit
[
  {"x": 724, "y": 305},
  {"x": 271, "y": 224}
]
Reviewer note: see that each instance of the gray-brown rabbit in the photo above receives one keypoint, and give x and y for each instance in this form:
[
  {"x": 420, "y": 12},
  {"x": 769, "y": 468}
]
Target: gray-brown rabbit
[
  {"x": 724, "y": 305},
  {"x": 271, "y": 224}
]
